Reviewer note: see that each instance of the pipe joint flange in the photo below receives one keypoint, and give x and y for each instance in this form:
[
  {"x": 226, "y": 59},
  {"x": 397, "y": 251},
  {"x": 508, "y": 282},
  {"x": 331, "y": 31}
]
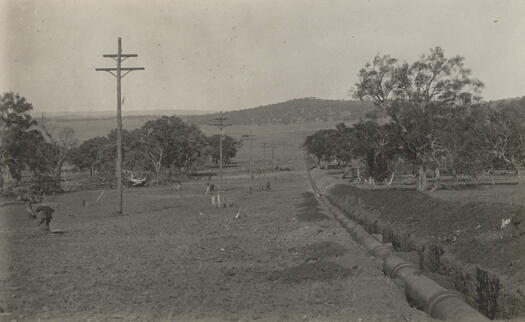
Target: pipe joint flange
[
  {"x": 379, "y": 248},
  {"x": 436, "y": 298},
  {"x": 399, "y": 266}
]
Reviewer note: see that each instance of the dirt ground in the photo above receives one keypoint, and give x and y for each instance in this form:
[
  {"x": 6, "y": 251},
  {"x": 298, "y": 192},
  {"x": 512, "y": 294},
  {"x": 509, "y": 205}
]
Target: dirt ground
[{"x": 175, "y": 257}]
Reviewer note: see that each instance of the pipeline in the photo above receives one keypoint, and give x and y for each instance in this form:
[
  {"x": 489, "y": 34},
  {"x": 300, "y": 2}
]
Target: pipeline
[{"x": 427, "y": 295}]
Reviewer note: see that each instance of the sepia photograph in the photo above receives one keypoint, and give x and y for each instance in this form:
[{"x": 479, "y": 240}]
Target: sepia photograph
[{"x": 262, "y": 160}]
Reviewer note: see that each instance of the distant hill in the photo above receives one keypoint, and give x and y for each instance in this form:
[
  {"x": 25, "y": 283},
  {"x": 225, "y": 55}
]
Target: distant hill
[
  {"x": 308, "y": 110},
  {"x": 97, "y": 115},
  {"x": 518, "y": 102},
  {"x": 292, "y": 111}
]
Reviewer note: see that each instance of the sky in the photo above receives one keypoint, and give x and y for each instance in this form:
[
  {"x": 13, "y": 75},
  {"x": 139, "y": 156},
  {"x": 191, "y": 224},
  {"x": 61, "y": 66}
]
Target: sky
[{"x": 234, "y": 54}]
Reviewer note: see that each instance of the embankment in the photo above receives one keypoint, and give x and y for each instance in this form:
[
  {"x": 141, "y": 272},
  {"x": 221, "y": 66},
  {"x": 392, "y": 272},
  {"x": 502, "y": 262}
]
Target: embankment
[{"x": 462, "y": 247}]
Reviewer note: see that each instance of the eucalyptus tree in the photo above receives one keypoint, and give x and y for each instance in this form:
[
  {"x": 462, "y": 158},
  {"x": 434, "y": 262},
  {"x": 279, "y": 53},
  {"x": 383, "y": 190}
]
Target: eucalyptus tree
[
  {"x": 417, "y": 98},
  {"x": 18, "y": 137}
]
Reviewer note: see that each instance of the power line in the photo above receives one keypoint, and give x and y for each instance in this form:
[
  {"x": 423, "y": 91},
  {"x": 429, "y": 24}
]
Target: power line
[{"x": 119, "y": 57}]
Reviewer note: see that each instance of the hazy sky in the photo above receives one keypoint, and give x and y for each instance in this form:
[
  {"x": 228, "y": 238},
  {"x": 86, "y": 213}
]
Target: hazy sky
[{"x": 234, "y": 54}]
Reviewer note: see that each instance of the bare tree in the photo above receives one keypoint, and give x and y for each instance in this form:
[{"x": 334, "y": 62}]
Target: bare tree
[
  {"x": 55, "y": 152},
  {"x": 504, "y": 140}
]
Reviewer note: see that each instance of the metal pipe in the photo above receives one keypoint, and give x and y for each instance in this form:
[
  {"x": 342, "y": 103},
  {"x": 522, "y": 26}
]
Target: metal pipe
[{"x": 426, "y": 294}]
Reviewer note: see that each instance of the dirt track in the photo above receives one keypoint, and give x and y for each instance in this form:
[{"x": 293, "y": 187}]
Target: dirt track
[{"x": 175, "y": 257}]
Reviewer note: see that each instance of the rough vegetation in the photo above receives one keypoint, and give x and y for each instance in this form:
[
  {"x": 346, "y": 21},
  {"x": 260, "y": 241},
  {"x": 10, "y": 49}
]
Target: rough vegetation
[
  {"x": 166, "y": 143},
  {"x": 294, "y": 111},
  {"x": 428, "y": 117}
]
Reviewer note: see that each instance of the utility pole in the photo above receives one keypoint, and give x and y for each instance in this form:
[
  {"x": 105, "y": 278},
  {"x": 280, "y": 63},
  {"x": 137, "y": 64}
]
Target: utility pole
[
  {"x": 251, "y": 138},
  {"x": 272, "y": 146},
  {"x": 219, "y": 122},
  {"x": 264, "y": 146},
  {"x": 119, "y": 57},
  {"x": 267, "y": 145}
]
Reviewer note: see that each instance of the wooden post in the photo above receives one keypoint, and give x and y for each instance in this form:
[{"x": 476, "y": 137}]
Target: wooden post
[
  {"x": 119, "y": 128},
  {"x": 220, "y": 158},
  {"x": 221, "y": 125},
  {"x": 250, "y": 137},
  {"x": 117, "y": 72}
]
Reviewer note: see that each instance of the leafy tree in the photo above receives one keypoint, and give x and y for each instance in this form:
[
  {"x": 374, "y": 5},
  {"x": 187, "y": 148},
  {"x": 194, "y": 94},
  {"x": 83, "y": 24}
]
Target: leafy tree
[
  {"x": 378, "y": 146},
  {"x": 462, "y": 140},
  {"x": 155, "y": 141},
  {"x": 18, "y": 139},
  {"x": 321, "y": 145},
  {"x": 416, "y": 98},
  {"x": 169, "y": 141},
  {"x": 24, "y": 153},
  {"x": 132, "y": 153},
  {"x": 89, "y": 155},
  {"x": 230, "y": 147},
  {"x": 505, "y": 138},
  {"x": 345, "y": 144}
]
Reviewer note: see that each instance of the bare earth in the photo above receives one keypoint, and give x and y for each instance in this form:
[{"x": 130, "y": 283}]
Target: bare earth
[{"x": 175, "y": 257}]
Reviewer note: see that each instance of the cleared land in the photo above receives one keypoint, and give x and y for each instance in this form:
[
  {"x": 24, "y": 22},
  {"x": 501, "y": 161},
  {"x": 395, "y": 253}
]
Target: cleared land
[{"x": 176, "y": 257}]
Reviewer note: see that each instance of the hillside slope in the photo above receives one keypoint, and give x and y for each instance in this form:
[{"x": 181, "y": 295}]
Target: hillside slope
[
  {"x": 292, "y": 111},
  {"x": 297, "y": 111}
]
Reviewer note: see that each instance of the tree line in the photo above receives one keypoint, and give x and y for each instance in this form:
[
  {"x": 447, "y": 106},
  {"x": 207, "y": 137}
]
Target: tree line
[
  {"x": 428, "y": 116},
  {"x": 166, "y": 143}
]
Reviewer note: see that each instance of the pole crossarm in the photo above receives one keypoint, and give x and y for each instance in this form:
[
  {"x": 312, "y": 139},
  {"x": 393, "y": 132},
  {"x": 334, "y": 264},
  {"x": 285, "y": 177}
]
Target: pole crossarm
[
  {"x": 220, "y": 126},
  {"x": 126, "y": 69},
  {"x": 121, "y": 55},
  {"x": 248, "y": 137},
  {"x": 122, "y": 68},
  {"x": 267, "y": 145},
  {"x": 219, "y": 122}
]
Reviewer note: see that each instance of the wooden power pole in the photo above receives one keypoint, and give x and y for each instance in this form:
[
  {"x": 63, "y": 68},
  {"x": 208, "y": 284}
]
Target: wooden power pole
[
  {"x": 251, "y": 138},
  {"x": 119, "y": 57},
  {"x": 219, "y": 122},
  {"x": 268, "y": 145}
]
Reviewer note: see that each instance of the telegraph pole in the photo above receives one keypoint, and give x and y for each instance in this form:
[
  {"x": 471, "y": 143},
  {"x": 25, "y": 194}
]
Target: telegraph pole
[
  {"x": 251, "y": 138},
  {"x": 264, "y": 146},
  {"x": 119, "y": 57},
  {"x": 273, "y": 164},
  {"x": 267, "y": 145},
  {"x": 219, "y": 123}
]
